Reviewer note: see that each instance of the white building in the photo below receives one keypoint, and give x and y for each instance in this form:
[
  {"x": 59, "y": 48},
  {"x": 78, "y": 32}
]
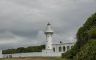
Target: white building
[
  {"x": 1, "y": 54},
  {"x": 51, "y": 49}
]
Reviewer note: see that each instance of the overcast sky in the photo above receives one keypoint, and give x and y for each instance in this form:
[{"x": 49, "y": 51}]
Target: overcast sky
[{"x": 23, "y": 22}]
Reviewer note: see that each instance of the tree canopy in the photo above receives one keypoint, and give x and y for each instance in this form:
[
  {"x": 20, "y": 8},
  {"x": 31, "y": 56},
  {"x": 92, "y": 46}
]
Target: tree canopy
[{"x": 24, "y": 50}]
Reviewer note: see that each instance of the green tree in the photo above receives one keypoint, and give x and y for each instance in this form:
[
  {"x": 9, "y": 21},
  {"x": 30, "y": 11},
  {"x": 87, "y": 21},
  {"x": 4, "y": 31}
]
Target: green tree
[{"x": 24, "y": 50}]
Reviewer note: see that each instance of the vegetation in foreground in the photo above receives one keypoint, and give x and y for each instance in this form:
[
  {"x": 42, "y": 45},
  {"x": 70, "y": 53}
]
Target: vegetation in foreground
[
  {"x": 88, "y": 51},
  {"x": 83, "y": 49}
]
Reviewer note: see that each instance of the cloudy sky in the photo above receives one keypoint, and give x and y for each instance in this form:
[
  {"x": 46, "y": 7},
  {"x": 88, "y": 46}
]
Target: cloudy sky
[{"x": 23, "y": 22}]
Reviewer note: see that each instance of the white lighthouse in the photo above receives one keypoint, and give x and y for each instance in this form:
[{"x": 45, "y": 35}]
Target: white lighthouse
[{"x": 49, "y": 33}]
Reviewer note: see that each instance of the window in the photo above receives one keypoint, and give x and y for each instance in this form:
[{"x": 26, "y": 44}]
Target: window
[
  {"x": 59, "y": 49},
  {"x": 53, "y": 49},
  {"x": 63, "y": 48},
  {"x": 67, "y": 47}
]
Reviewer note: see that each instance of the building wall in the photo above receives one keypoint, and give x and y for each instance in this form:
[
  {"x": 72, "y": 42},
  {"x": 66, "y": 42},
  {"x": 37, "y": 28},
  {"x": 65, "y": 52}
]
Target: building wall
[
  {"x": 35, "y": 54},
  {"x": 1, "y": 56},
  {"x": 60, "y": 47}
]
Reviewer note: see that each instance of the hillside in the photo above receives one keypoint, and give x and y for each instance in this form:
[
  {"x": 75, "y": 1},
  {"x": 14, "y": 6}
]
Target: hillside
[
  {"x": 88, "y": 51},
  {"x": 85, "y": 33}
]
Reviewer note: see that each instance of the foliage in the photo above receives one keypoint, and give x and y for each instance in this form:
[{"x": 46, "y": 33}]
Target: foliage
[
  {"x": 88, "y": 51},
  {"x": 24, "y": 50},
  {"x": 82, "y": 34},
  {"x": 70, "y": 53},
  {"x": 92, "y": 33},
  {"x": 85, "y": 33}
]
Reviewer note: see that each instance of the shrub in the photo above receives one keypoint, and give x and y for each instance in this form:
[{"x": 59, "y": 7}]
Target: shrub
[
  {"x": 71, "y": 53},
  {"x": 88, "y": 51}
]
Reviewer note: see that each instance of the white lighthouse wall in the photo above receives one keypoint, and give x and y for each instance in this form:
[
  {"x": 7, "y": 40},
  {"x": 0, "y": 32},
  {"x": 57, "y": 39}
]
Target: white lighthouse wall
[{"x": 49, "y": 41}]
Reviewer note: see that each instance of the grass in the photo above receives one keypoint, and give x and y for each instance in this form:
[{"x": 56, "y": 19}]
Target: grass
[{"x": 36, "y": 58}]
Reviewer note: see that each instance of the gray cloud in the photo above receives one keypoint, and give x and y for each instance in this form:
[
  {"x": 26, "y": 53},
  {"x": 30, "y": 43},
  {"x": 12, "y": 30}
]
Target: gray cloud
[{"x": 22, "y": 22}]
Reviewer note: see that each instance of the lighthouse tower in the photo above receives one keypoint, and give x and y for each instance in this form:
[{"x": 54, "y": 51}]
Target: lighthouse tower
[{"x": 49, "y": 33}]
